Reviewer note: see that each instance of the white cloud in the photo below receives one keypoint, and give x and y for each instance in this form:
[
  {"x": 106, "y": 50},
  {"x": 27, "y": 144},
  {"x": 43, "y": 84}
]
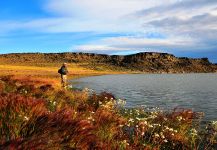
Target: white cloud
[
  {"x": 184, "y": 24},
  {"x": 87, "y": 48},
  {"x": 99, "y": 9},
  {"x": 137, "y": 44}
]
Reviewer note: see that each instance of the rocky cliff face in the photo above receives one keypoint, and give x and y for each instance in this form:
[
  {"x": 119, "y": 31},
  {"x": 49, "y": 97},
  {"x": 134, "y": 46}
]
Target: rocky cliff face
[
  {"x": 146, "y": 62},
  {"x": 162, "y": 62}
]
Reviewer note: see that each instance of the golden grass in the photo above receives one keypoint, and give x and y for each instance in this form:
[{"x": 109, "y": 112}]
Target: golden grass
[
  {"x": 35, "y": 70},
  {"x": 48, "y": 72}
]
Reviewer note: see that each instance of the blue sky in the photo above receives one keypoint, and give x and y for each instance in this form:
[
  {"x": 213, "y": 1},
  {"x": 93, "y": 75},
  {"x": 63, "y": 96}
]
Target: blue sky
[{"x": 181, "y": 27}]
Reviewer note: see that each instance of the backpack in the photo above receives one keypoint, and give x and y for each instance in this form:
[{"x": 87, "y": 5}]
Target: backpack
[{"x": 60, "y": 71}]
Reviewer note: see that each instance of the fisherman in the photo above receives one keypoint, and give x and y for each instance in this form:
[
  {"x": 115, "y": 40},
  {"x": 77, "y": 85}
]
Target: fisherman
[{"x": 63, "y": 71}]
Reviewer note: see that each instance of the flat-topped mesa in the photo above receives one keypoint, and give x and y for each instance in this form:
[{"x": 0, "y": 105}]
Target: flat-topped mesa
[
  {"x": 163, "y": 62},
  {"x": 151, "y": 62},
  {"x": 148, "y": 56}
]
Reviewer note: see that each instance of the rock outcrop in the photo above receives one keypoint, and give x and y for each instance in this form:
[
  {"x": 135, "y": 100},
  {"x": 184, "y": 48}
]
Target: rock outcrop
[{"x": 150, "y": 62}]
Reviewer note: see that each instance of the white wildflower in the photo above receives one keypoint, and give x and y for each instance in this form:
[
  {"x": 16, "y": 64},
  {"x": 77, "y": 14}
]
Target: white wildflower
[
  {"x": 193, "y": 132},
  {"x": 171, "y": 129},
  {"x": 179, "y": 118},
  {"x": 89, "y": 118},
  {"x": 121, "y": 102},
  {"x": 156, "y": 135},
  {"x": 131, "y": 120},
  {"x": 26, "y": 118},
  {"x": 214, "y": 122},
  {"x": 138, "y": 118},
  {"x": 165, "y": 119},
  {"x": 162, "y": 135},
  {"x": 150, "y": 126}
]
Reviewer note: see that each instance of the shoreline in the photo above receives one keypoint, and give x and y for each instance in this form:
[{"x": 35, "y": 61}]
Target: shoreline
[{"x": 182, "y": 99}]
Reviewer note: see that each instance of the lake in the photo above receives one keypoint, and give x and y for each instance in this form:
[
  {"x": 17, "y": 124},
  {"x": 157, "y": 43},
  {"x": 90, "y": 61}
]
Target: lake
[{"x": 166, "y": 91}]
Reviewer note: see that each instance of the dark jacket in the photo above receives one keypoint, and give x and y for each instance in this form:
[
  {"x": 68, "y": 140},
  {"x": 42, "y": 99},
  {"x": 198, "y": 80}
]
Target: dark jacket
[{"x": 63, "y": 70}]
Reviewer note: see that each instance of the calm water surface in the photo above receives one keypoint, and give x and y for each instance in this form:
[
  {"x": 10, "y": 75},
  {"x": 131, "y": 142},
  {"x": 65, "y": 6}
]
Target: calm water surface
[{"x": 195, "y": 91}]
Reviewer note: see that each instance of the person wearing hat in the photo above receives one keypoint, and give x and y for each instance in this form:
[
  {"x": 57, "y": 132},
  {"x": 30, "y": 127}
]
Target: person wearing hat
[{"x": 63, "y": 71}]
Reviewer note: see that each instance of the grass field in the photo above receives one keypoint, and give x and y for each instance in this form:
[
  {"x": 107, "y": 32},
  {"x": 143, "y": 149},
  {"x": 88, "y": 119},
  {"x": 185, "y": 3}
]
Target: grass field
[{"x": 48, "y": 72}]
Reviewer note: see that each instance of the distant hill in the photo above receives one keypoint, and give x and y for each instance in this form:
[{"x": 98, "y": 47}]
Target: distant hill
[{"x": 150, "y": 62}]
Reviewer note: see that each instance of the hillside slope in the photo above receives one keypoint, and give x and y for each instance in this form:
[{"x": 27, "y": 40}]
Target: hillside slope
[{"x": 150, "y": 62}]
